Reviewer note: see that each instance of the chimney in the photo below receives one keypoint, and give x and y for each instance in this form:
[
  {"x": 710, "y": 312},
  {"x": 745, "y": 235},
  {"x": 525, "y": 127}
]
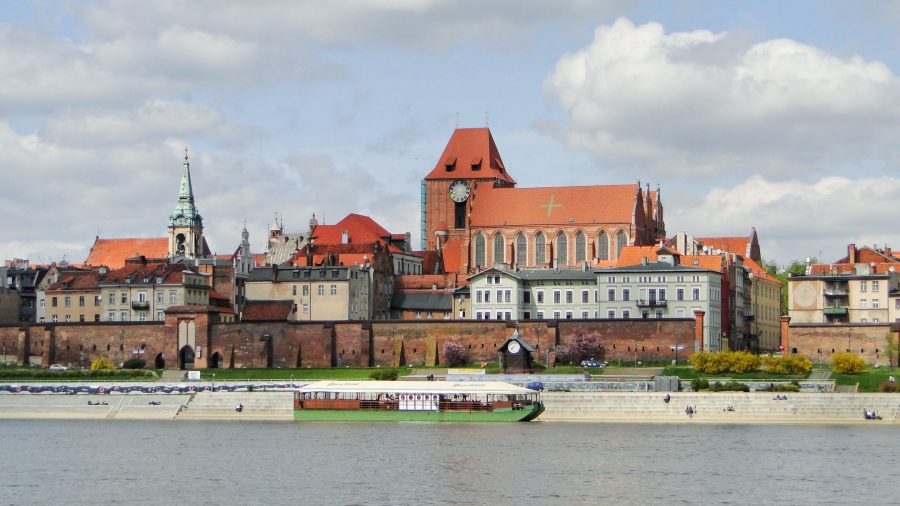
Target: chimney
[
  {"x": 345, "y": 237},
  {"x": 851, "y": 254},
  {"x": 645, "y": 261}
]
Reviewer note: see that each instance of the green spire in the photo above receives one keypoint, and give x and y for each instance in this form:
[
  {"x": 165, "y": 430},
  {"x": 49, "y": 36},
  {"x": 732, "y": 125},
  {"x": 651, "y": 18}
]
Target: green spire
[{"x": 185, "y": 213}]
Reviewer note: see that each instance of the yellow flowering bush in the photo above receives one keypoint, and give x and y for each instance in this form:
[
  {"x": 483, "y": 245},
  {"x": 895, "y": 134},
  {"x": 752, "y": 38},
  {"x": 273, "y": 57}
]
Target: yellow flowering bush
[
  {"x": 847, "y": 363},
  {"x": 102, "y": 364}
]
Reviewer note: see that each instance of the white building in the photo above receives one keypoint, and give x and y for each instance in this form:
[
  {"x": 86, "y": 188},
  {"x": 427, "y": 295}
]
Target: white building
[{"x": 498, "y": 294}]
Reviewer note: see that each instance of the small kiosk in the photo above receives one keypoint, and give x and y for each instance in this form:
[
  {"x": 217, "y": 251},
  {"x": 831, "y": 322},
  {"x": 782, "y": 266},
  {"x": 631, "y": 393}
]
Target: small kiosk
[{"x": 515, "y": 355}]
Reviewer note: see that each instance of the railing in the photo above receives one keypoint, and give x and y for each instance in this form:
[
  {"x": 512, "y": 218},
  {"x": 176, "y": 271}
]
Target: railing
[
  {"x": 835, "y": 310},
  {"x": 140, "y": 305},
  {"x": 651, "y": 303},
  {"x": 836, "y": 293}
]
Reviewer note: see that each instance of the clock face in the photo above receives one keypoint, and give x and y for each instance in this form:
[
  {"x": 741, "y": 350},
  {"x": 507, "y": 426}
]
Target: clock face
[
  {"x": 805, "y": 294},
  {"x": 514, "y": 347},
  {"x": 459, "y": 191}
]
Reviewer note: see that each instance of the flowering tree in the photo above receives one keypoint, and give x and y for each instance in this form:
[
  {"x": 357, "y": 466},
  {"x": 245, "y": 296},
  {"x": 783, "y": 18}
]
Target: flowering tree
[
  {"x": 581, "y": 347},
  {"x": 453, "y": 353}
]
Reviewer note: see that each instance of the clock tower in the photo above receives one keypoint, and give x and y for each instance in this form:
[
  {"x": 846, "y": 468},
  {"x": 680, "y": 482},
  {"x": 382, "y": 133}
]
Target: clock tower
[
  {"x": 185, "y": 223},
  {"x": 470, "y": 160}
]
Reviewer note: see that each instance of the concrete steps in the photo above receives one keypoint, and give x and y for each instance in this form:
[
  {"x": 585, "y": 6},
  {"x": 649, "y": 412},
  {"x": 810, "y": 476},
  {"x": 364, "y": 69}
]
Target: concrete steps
[
  {"x": 263, "y": 405},
  {"x": 755, "y": 406}
]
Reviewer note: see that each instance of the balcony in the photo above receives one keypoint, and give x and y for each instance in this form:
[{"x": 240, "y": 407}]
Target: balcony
[
  {"x": 138, "y": 305},
  {"x": 836, "y": 311},
  {"x": 837, "y": 293},
  {"x": 749, "y": 317},
  {"x": 651, "y": 303}
]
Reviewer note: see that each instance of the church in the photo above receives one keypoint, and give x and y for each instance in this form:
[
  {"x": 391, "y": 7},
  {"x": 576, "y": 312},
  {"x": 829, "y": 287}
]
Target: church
[{"x": 476, "y": 217}]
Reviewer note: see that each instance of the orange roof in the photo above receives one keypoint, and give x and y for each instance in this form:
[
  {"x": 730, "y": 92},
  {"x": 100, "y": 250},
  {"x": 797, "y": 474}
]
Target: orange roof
[
  {"x": 430, "y": 261},
  {"x": 422, "y": 281},
  {"x": 711, "y": 262},
  {"x": 452, "y": 255},
  {"x": 758, "y": 271},
  {"x": 113, "y": 252},
  {"x": 841, "y": 268},
  {"x": 736, "y": 245},
  {"x": 632, "y": 255},
  {"x": 562, "y": 205},
  {"x": 360, "y": 230},
  {"x": 77, "y": 280},
  {"x": 472, "y": 154}
]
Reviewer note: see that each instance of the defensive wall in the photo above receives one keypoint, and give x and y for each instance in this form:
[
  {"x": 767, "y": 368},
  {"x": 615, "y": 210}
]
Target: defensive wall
[
  {"x": 332, "y": 343},
  {"x": 820, "y": 341}
]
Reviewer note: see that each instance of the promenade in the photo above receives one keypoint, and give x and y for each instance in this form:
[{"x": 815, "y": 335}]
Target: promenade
[{"x": 615, "y": 407}]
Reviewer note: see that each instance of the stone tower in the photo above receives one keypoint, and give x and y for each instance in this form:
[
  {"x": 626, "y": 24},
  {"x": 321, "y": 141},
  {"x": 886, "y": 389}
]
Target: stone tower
[{"x": 185, "y": 223}]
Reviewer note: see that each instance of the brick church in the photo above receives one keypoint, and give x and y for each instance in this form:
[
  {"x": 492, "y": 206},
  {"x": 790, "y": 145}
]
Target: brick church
[{"x": 476, "y": 217}]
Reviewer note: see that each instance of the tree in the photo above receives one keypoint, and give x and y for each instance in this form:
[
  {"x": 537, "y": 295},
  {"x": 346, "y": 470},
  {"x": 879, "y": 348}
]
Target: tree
[
  {"x": 102, "y": 364},
  {"x": 891, "y": 348},
  {"x": 581, "y": 347},
  {"x": 453, "y": 353},
  {"x": 796, "y": 267}
]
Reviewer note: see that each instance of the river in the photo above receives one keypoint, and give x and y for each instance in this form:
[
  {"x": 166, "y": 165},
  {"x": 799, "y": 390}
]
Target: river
[{"x": 209, "y": 462}]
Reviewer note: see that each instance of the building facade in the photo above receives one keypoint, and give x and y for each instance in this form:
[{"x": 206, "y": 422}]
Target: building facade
[
  {"x": 497, "y": 294},
  {"x": 144, "y": 288},
  {"x": 318, "y": 292}
]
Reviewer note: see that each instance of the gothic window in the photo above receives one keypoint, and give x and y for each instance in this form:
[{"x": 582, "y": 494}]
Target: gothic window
[
  {"x": 499, "y": 246},
  {"x": 479, "y": 251},
  {"x": 521, "y": 250},
  {"x": 621, "y": 242},
  {"x": 540, "y": 250},
  {"x": 562, "y": 250},
  {"x": 603, "y": 246},
  {"x": 580, "y": 246}
]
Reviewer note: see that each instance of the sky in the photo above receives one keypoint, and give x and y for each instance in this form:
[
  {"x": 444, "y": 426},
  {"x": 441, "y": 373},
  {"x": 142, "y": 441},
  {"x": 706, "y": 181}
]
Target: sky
[{"x": 783, "y": 116}]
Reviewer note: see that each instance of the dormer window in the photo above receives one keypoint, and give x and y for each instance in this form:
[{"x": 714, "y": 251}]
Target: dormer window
[
  {"x": 476, "y": 163},
  {"x": 158, "y": 280},
  {"x": 147, "y": 280},
  {"x": 450, "y": 164}
]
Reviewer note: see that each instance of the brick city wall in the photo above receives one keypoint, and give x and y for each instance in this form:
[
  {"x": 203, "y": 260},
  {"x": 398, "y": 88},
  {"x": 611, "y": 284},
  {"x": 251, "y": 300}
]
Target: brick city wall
[
  {"x": 820, "y": 342},
  {"x": 329, "y": 344}
]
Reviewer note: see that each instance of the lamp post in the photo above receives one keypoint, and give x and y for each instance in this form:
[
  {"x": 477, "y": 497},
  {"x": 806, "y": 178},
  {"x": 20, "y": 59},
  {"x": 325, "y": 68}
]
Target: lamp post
[
  {"x": 675, "y": 348},
  {"x": 635, "y": 355}
]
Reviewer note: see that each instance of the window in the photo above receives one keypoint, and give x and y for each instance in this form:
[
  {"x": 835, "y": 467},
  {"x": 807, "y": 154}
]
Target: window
[
  {"x": 53, "y": 301},
  {"x": 527, "y": 315},
  {"x": 499, "y": 247},
  {"x": 896, "y": 303},
  {"x": 621, "y": 242},
  {"x": 333, "y": 289},
  {"x": 477, "y": 295},
  {"x": 584, "y": 315},
  {"x": 478, "y": 315},
  {"x": 142, "y": 296},
  {"x": 305, "y": 289},
  {"x": 874, "y": 301},
  {"x": 429, "y": 315},
  {"x": 861, "y": 320},
  {"x": 43, "y": 303},
  {"x": 603, "y": 246},
  {"x": 596, "y": 295},
  {"x": 418, "y": 314},
  {"x": 521, "y": 250},
  {"x": 874, "y": 286},
  {"x": 611, "y": 294},
  {"x": 124, "y": 316},
  {"x": 54, "y": 318},
  {"x": 556, "y": 315},
  {"x": 585, "y": 298},
  {"x": 696, "y": 293},
  {"x": 626, "y": 294},
  {"x": 159, "y": 316},
  {"x": 862, "y": 286},
  {"x": 556, "y": 297},
  {"x": 652, "y": 294},
  {"x": 124, "y": 297},
  {"x": 142, "y": 316},
  {"x": 294, "y": 289},
  {"x": 626, "y": 314},
  {"x": 112, "y": 298},
  {"x": 562, "y": 250},
  {"x": 679, "y": 293},
  {"x": 659, "y": 314},
  {"x": 159, "y": 297},
  {"x": 305, "y": 308},
  {"x": 645, "y": 314},
  {"x": 580, "y": 247},
  {"x": 508, "y": 315},
  {"x": 874, "y": 320},
  {"x": 662, "y": 294},
  {"x": 863, "y": 304},
  {"x": 68, "y": 301},
  {"x": 490, "y": 280},
  {"x": 479, "y": 251},
  {"x": 321, "y": 289},
  {"x": 540, "y": 249},
  {"x": 499, "y": 296},
  {"x": 173, "y": 297},
  {"x": 568, "y": 296},
  {"x": 611, "y": 314},
  {"x": 487, "y": 296},
  {"x": 446, "y": 315},
  {"x": 96, "y": 317},
  {"x": 568, "y": 315},
  {"x": 540, "y": 315},
  {"x": 526, "y": 297},
  {"x": 507, "y": 296},
  {"x": 112, "y": 317},
  {"x": 81, "y": 300},
  {"x": 540, "y": 298}
]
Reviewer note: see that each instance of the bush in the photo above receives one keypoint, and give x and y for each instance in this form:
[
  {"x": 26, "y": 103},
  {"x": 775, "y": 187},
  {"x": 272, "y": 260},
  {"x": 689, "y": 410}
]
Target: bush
[
  {"x": 102, "y": 364},
  {"x": 386, "y": 374},
  {"x": 787, "y": 388},
  {"x": 581, "y": 347},
  {"x": 847, "y": 363},
  {"x": 724, "y": 361},
  {"x": 731, "y": 386},
  {"x": 453, "y": 354},
  {"x": 888, "y": 387},
  {"x": 787, "y": 364},
  {"x": 698, "y": 384},
  {"x": 134, "y": 363}
]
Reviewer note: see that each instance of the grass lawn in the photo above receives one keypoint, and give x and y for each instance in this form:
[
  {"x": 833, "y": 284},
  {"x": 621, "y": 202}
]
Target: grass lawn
[
  {"x": 688, "y": 373},
  {"x": 869, "y": 380},
  {"x": 299, "y": 374}
]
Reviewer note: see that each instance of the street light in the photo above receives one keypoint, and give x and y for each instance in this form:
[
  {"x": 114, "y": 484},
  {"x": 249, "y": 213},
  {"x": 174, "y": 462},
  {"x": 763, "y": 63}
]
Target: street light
[
  {"x": 635, "y": 354},
  {"x": 675, "y": 348}
]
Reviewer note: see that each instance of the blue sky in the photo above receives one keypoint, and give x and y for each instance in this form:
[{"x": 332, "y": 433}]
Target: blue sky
[{"x": 778, "y": 115}]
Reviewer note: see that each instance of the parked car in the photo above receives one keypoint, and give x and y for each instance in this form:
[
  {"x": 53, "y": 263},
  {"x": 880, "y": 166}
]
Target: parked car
[
  {"x": 592, "y": 363},
  {"x": 58, "y": 368},
  {"x": 535, "y": 385}
]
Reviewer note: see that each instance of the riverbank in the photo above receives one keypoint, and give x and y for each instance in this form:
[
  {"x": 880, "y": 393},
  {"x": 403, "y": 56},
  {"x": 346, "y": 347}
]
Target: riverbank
[{"x": 615, "y": 407}]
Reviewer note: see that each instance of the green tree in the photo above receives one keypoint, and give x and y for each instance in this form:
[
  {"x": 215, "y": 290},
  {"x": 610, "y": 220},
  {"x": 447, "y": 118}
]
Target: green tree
[
  {"x": 796, "y": 268},
  {"x": 891, "y": 348}
]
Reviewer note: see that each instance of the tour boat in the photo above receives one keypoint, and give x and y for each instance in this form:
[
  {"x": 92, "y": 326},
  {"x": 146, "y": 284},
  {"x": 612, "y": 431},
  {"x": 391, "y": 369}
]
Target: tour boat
[{"x": 438, "y": 401}]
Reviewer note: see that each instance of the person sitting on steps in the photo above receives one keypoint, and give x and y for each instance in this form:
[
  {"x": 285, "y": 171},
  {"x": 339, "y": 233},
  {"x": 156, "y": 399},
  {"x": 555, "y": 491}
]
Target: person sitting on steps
[{"x": 667, "y": 398}]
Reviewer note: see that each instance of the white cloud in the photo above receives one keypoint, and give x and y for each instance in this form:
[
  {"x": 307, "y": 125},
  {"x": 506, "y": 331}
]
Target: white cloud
[
  {"x": 700, "y": 103},
  {"x": 795, "y": 219}
]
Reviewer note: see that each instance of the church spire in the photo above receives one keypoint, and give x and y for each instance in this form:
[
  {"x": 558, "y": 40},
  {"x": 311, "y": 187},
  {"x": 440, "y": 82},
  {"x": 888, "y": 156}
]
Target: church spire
[
  {"x": 185, "y": 223},
  {"x": 187, "y": 192},
  {"x": 185, "y": 212}
]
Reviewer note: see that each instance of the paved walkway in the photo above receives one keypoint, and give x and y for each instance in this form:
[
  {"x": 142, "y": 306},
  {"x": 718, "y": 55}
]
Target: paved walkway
[
  {"x": 172, "y": 377},
  {"x": 819, "y": 375}
]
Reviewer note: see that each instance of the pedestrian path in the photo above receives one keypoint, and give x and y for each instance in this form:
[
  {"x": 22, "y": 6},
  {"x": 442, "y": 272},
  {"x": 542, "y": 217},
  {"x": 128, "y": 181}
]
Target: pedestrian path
[{"x": 257, "y": 405}]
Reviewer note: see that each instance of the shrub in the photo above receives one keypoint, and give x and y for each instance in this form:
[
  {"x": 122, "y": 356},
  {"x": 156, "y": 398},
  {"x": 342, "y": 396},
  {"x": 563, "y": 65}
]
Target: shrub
[
  {"x": 102, "y": 364},
  {"x": 724, "y": 361},
  {"x": 578, "y": 348},
  {"x": 386, "y": 374},
  {"x": 787, "y": 388},
  {"x": 787, "y": 364},
  {"x": 453, "y": 353},
  {"x": 698, "y": 384},
  {"x": 847, "y": 363},
  {"x": 888, "y": 387},
  {"x": 731, "y": 386},
  {"x": 134, "y": 363}
]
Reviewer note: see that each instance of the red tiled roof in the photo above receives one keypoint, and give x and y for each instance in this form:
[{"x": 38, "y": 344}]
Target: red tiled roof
[
  {"x": 267, "y": 310},
  {"x": 219, "y": 301},
  {"x": 736, "y": 245},
  {"x": 711, "y": 262},
  {"x": 360, "y": 229},
  {"x": 470, "y": 147},
  {"x": 113, "y": 252},
  {"x": 633, "y": 255},
  {"x": 758, "y": 271},
  {"x": 423, "y": 282},
  {"x": 76, "y": 281},
  {"x": 562, "y": 205},
  {"x": 452, "y": 255},
  {"x": 152, "y": 269},
  {"x": 430, "y": 260},
  {"x": 826, "y": 269}
]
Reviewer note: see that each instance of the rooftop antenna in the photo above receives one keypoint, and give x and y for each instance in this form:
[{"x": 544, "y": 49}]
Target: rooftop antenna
[
  {"x": 457, "y": 120},
  {"x": 185, "y": 153},
  {"x": 486, "y": 118}
]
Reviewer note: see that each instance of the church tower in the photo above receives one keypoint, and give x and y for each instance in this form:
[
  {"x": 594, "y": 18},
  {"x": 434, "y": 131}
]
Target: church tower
[{"x": 185, "y": 223}]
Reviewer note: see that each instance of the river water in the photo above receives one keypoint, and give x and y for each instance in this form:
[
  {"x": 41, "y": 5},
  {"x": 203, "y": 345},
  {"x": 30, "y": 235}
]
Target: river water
[{"x": 222, "y": 462}]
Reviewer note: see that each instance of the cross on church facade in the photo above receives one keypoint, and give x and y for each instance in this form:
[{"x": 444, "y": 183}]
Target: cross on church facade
[{"x": 550, "y": 206}]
